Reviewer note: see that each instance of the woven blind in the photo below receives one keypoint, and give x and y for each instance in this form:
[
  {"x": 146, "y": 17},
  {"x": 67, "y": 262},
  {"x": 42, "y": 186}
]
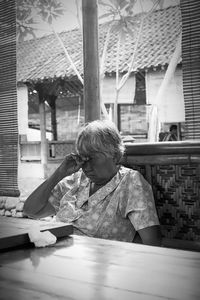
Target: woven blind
[
  {"x": 190, "y": 11},
  {"x": 8, "y": 100}
]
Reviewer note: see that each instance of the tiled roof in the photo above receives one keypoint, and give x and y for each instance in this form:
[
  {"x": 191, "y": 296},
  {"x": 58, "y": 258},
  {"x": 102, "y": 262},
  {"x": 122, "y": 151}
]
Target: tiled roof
[{"x": 44, "y": 57}]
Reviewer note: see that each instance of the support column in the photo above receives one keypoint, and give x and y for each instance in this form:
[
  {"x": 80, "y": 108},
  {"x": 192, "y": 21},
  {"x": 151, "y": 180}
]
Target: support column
[
  {"x": 52, "y": 104},
  {"x": 91, "y": 60},
  {"x": 44, "y": 145}
]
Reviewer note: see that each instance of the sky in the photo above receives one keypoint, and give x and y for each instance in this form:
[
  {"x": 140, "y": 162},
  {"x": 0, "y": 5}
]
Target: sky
[
  {"x": 69, "y": 20},
  {"x": 66, "y": 22}
]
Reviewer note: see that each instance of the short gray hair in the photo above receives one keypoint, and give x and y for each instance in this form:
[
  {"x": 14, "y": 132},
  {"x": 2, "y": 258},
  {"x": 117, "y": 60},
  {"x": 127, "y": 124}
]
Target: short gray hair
[{"x": 100, "y": 136}]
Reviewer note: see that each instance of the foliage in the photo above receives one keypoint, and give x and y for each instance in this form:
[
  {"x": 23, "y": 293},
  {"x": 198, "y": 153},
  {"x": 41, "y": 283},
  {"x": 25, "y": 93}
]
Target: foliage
[
  {"x": 123, "y": 22},
  {"x": 120, "y": 13},
  {"x": 31, "y": 12}
]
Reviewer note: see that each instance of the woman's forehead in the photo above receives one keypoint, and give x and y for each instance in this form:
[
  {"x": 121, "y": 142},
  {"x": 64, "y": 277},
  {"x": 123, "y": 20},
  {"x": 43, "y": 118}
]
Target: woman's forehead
[
  {"x": 88, "y": 153},
  {"x": 93, "y": 154},
  {"x": 85, "y": 149},
  {"x": 89, "y": 150}
]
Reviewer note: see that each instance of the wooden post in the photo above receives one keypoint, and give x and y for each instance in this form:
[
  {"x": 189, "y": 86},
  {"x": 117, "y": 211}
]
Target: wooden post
[
  {"x": 91, "y": 60},
  {"x": 44, "y": 149},
  {"x": 44, "y": 153},
  {"x": 52, "y": 104},
  {"x": 179, "y": 134}
]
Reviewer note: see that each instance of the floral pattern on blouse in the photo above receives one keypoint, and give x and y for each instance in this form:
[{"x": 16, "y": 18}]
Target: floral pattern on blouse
[{"x": 115, "y": 211}]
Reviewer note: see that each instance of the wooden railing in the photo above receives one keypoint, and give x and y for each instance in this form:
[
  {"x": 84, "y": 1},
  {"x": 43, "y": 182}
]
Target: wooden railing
[
  {"x": 58, "y": 149},
  {"x": 31, "y": 151}
]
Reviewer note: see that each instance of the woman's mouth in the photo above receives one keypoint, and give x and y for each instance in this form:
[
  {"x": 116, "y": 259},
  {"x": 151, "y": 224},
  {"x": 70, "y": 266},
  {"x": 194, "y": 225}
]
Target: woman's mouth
[{"x": 89, "y": 174}]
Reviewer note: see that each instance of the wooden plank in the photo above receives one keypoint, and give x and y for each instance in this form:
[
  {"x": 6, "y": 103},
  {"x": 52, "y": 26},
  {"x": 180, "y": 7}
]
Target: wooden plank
[
  {"x": 178, "y": 159},
  {"x": 157, "y": 159},
  {"x": 159, "y": 148}
]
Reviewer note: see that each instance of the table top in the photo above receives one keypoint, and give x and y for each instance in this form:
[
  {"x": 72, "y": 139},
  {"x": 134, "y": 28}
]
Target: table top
[{"x": 79, "y": 267}]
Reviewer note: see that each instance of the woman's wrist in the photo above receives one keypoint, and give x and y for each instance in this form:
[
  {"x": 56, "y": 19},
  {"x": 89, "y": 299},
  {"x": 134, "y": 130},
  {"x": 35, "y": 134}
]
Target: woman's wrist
[{"x": 57, "y": 176}]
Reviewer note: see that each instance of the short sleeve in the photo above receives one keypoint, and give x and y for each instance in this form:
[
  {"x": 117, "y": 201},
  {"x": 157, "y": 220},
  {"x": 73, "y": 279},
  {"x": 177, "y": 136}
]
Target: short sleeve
[
  {"x": 66, "y": 184},
  {"x": 140, "y": 208}
]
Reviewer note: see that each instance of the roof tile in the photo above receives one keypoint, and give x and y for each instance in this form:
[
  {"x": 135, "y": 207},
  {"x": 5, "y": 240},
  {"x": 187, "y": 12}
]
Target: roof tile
[{"x": 45, "y": 58}]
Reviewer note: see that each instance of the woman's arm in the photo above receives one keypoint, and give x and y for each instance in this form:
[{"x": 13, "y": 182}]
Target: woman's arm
[
  {"x": 141, "y": 210},
  {"x": 151, "y": 235},
  {"x": 37, "y": 205}
]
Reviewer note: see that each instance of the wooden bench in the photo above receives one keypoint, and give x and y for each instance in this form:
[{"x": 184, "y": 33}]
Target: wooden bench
[{"x": 173, "y": 170}]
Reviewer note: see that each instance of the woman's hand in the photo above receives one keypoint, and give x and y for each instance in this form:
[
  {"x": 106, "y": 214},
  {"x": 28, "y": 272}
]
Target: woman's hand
[
  {"x": 37, "y": 205},
  {"x": 71, "y": 164}
]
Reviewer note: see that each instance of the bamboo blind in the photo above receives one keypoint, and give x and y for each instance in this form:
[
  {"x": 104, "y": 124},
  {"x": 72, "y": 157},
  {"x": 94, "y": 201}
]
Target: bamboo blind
[
  {"x": 8, "y": 100},
  {"x": 190, "y": 11}
]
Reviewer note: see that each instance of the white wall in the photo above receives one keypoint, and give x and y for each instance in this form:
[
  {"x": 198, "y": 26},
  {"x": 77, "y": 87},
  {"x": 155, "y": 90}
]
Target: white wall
[
  {"x": 172, "y": 106},
  {"x": 35, "y": 135},
  {"x": 30, "y": 170},
  {"x": 126, "y": 94}
]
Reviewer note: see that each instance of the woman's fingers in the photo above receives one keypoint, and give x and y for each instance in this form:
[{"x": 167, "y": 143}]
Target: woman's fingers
[
  {"x": 77, "y": 158},
  {"x": 72, "y": 163}
]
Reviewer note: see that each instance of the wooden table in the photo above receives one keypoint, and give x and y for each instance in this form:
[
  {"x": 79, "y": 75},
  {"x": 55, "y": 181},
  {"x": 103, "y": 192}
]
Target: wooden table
[{"x": 85, "y": 268}]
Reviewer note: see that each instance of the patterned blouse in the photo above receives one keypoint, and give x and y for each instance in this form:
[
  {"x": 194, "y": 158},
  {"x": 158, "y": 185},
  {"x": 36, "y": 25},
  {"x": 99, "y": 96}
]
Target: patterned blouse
[{"x": 115, "y": 211}]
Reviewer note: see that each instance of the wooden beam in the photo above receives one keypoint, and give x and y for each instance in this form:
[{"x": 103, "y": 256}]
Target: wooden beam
[{"x": 91, "y": 60}]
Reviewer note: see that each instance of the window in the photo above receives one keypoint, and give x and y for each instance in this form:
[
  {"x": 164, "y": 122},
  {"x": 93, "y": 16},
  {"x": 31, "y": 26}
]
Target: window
[
  {"x": 140, "y": 89},
  {"x": 133, "y": 120}
]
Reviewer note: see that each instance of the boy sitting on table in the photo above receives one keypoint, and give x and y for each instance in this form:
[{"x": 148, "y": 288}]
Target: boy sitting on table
[{"x": 95, "y": 193}]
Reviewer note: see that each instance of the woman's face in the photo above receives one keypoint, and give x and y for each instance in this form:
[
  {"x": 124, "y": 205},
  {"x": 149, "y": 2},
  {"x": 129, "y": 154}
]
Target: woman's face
[{"x": 99, "y": 168}]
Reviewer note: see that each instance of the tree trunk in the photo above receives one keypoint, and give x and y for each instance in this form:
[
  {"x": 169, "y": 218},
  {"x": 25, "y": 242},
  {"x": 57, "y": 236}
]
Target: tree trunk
[
  {"x": 120, "y": 84},
  {"x": 67, "y": 55},
  {"x": 154, "y": 123},
  {"x": 116, "y": 107}
]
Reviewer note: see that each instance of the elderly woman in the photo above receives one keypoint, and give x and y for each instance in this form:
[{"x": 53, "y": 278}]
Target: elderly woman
[{"x": 95, "y": 193}]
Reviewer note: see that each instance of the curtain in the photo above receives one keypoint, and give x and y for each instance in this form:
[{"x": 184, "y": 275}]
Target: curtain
[
  {"x": 190, "y": 12},
  {"x": 8, "y": 100}
]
